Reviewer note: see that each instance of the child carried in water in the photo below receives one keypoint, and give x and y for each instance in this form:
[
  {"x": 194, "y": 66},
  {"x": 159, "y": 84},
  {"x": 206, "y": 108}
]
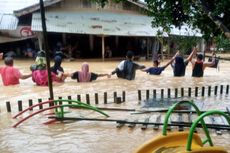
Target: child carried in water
[{"x": 40, "y": 73}]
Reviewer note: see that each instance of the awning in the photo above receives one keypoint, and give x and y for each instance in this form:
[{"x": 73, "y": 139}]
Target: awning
[
  {"x": 20, "y": 33},
  {"x": 96, "y": 23}
]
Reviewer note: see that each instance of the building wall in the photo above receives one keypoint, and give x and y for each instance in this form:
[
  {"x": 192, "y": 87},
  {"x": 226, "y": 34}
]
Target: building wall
[
  {"x": 89, "y": 5},
  {"x": 83, "y": 41}
]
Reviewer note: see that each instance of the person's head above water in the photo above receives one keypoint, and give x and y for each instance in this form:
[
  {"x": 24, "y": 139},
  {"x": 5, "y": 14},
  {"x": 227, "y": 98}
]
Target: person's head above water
[
  {"x": 199, "y": 57},
  {"x": 179, "y": 60},
  {"x": 57, "y": 60},
  {"x": 130, "y": 55},
  {"x": 85, "y": 67},
  {"x": 41, "y": 54},
  {"x": 9, "y": 61},
  {"x": 156, "y": 63},
  {"x": 84, "y": 75}
]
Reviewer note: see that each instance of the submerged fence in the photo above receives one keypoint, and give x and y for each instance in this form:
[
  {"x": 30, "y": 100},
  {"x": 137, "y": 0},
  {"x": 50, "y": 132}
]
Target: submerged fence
[
  {"x": 204, "y": 91},
  {"x": 185, "y": 92}
]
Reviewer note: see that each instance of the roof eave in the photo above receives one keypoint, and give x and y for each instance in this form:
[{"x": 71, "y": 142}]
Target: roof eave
[
  {"x": 141, "y": 5},
  {"x": 33, "y": 8}
]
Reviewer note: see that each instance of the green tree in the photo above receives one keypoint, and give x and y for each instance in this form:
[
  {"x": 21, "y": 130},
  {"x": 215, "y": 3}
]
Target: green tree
[
  {"x": 185, "y": 43},
  {"x": 222, "y": 44},
  {"x": 210, "y": 16}
]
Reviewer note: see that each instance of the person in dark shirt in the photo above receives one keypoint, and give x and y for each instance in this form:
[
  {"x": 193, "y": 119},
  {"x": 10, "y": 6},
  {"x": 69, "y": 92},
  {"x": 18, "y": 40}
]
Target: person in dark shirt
[
  {"x": 198, "y": 66},
  {"x": 156, "y": 70},
  {"x": 56, "y": 68},
  {"x": 85, "y": 76},
  {"x": 179, "y": 65},
  {"x": 40, "y": 73},
  {"x": 127, "y": 68}
]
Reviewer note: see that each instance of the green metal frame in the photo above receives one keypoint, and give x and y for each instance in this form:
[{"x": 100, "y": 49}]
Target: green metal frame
[
  {"x": 171, "y": 109},
  {"x": 77, "y": 104},
  {"x": 195, "y": 123},
  {"x": 199, "y": 119}
]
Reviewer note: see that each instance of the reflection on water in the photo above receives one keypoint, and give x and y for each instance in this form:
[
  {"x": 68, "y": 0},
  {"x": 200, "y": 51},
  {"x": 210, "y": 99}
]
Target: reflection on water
[{"x": 96, "y": 137}]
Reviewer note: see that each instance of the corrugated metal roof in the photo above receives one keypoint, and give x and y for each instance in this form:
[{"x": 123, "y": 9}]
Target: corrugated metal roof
[
  {"x": 104, "y": 23},
  {"x": 98, "y": 23},
  {"x": 8, "y": 22}
]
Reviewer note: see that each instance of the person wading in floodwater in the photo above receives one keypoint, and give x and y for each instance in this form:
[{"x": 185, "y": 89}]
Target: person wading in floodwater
[
  {"x": 199, "y": 65},
  {"x": 126, "y": 69}
]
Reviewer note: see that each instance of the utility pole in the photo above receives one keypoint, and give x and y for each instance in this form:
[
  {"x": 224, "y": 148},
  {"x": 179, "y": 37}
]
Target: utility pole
[{"x": 42, "y": 10}]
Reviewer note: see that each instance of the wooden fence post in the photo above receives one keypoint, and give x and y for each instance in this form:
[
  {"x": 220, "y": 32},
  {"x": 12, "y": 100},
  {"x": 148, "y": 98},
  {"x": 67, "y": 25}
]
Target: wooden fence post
[
  {"x": 19, "y": 105},
  {"x": 39, "y": 101},
  {"x": 96, "y": 98},
  {"x": 8, "y": 107}
]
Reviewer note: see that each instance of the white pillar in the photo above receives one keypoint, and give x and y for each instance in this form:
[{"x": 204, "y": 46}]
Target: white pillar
[
  {"x": 148, "y": 47},
  {"x": 64, "y": 39},
  {"x": 116, "y": 41},
  {"x": 103, "y": 47},
  {"x": 161, "y": 45},
  {"x": 40, "y": 38},
  {"x": 168, "y": 46},
  {"x": 202, "y": 45},
  {"x": 91, "y": 38}
]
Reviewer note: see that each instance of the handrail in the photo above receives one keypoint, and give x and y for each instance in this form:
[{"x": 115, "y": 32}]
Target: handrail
[
  {"x": 53, "y": 107},
  {"x": 80, "y": 103},
  {"x": 29, "y": 108},
  {"x": 171, "y": 109},
  {"x": 50, "y": 101},
  {"x": 164, "y": 132},
  {"x": 200, "y": 118}
]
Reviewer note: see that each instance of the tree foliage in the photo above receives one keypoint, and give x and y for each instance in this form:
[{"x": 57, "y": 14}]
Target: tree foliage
[
  {"x": 210, "y": 16},
  {"x": 184, "y": 43},
  {"x": 203, "y": 14},
  {"x": 222, "y": 44}
]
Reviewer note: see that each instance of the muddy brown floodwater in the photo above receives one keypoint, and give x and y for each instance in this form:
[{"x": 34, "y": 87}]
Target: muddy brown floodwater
[{"x": 97, "y": 137}]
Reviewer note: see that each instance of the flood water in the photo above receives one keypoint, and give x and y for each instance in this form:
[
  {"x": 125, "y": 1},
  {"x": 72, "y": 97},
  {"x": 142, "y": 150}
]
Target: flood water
[{"x": 33, "y": 136}]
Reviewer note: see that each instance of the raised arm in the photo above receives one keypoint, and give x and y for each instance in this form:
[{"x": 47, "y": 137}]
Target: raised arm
[
  {"x": 171, "y": 60},
  {"x": 209, "y": 64},
  {"x": 191, "y": 54}
]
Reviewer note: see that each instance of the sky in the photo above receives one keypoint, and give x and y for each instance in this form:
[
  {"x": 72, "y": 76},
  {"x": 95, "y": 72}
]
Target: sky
[{"x": 7, "y": 6}]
